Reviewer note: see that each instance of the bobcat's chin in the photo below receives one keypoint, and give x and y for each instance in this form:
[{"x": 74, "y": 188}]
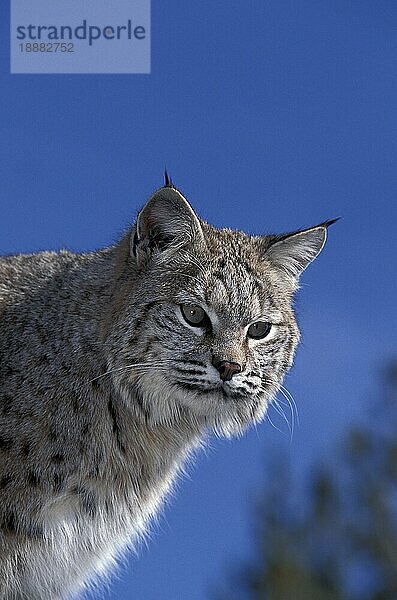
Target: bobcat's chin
[{"x": 227, "y": 407}]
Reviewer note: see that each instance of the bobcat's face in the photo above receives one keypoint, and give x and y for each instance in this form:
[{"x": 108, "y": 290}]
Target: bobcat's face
[{"x": 210, "y": 331}]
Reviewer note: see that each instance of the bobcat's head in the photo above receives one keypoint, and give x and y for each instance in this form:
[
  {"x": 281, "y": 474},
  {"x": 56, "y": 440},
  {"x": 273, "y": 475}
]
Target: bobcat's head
[{"x": 205, "y": 329}]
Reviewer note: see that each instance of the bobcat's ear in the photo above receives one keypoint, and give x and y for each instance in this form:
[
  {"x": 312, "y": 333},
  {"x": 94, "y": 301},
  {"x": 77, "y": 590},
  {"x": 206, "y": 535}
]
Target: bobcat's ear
[
  {"x": 293, "y": 252},
  {"x": 166, "y": 222}
]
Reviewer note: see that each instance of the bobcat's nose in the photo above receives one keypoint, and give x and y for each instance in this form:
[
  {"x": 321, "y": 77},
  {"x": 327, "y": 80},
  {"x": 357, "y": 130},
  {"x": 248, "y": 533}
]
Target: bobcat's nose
[{"x": 226, "y": 368}]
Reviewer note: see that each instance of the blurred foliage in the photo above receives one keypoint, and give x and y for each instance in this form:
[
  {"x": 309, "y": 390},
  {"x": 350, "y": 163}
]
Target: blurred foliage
[{"x": 343, "y": 544}]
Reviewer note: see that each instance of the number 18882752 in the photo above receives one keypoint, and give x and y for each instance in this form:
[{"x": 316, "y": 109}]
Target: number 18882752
[{"x": 47, "y": 47}]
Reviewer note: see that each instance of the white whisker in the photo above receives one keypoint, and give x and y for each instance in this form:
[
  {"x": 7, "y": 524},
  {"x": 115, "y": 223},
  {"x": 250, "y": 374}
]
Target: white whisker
[
  {"x": 273, "y": 425},
  {"x": 280, "y": 411},
  {"x": 290, "y": 401},
  {"x": 289, "y": 397},
  {"x": 288, "y": 405}
]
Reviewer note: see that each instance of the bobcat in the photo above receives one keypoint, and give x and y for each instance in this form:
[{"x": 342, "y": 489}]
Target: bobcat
[{"x": 113, "y": 367}]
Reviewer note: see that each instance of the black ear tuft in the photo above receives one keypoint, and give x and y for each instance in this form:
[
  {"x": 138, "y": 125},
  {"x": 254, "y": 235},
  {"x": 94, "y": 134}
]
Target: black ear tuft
[
  {"x": 329, "y": 222},
  {"x": 167, "y": 180}
]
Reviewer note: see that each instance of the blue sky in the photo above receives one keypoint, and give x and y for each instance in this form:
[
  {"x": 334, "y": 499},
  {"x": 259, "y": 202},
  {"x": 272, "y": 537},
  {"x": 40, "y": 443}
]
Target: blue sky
[{"x": 269, "y": 116}]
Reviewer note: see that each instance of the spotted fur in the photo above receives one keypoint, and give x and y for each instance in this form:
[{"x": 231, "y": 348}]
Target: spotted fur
[{"x": 105, "y": 390}]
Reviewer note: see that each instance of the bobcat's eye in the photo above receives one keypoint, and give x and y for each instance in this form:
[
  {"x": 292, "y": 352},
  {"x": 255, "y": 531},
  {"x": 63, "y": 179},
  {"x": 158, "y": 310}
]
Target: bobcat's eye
[
  {"x": 194, "y": 315},
  {"x": 259, "y": 330}
]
